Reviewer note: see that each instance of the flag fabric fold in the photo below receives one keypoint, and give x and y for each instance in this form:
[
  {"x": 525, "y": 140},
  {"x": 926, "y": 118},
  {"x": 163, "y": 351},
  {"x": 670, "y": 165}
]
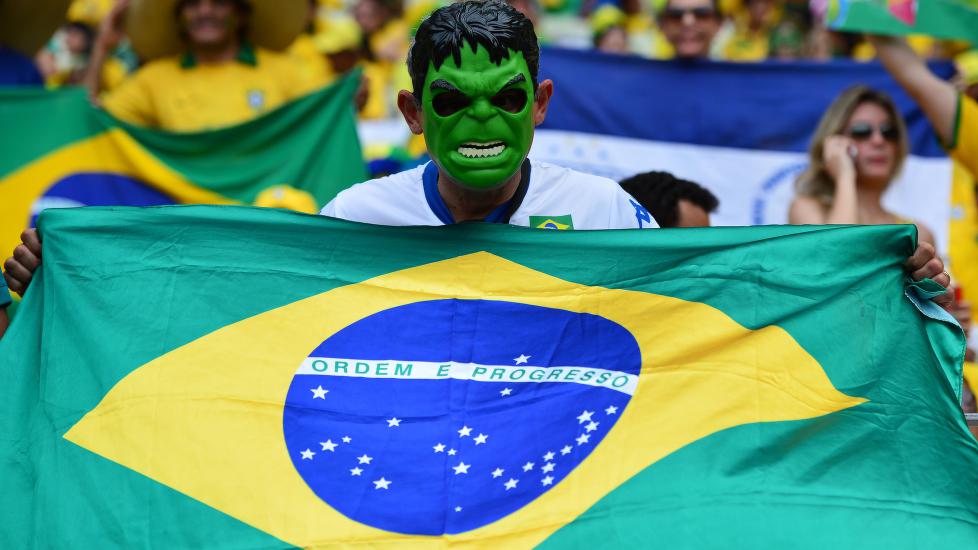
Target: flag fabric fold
[
  {"x": 60, "y": 151},
  {"x": 236, "y": 377}
]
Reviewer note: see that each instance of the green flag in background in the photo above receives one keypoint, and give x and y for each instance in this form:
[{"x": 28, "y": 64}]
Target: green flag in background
[
  {"x": 59, "y": 151},
  {"x": 951, "y": 19},
  {"x": 228, "y": 377}
]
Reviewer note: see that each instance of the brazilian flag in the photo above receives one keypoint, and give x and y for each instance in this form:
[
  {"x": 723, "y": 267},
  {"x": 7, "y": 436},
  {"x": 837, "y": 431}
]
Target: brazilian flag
[
  {"x": 234, "y": 377},
  {"x": 951, "y": 19},
  {"x": 60, "y": 151}
]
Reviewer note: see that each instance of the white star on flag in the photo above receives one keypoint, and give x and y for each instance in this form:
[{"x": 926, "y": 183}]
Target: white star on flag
[
  {"x": 566, "y": 450},
  {"x": 528, "y": 466},
  {"x": 591, "y": 426},
  {"x": 458, "y": 508},
  {"x": 382, "y": 484},
  {"x": 584, "y": 417},
  {"x": 307, "y": 454},
  {"x": 548, "y": 457},
  {"x": 319, "y": 393},
  {"x": 611, "y": 409},
  {"x": 511, "y": 484},
  {"x": 506, "y": 391},
  {"x": 583, "y": 439},
  {"x": 328, "y": 445},
  {"x": 346, "y": 439},
  {"x": 365, "y": 459},
  {"x": 355, "y": 471},
  {"x": 439, "y": 448},
  {"x": 393, "y": 422},
  {"x": 497, "y": 472},
  {"x": 461, "y": 468},
  {"x": 465, "y": 431},
  {"x": 451, "y": 452},
  {"x": 522, "y": 359},
  {"x": 547, "y": 468},
  {"x": 547, "y": 481},
  {"x": 480, "y": 439}
]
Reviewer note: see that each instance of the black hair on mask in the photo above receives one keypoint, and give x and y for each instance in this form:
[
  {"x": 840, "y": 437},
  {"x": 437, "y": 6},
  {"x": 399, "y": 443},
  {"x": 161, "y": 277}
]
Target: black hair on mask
[{"x": 491, "y": 24}]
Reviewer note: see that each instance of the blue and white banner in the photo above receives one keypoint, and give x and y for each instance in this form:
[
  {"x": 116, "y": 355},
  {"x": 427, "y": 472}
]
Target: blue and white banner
[{"x": 741, "y": 130}]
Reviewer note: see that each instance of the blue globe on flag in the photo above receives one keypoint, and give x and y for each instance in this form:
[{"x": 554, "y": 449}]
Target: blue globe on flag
[{"x": 442, "y": 416}]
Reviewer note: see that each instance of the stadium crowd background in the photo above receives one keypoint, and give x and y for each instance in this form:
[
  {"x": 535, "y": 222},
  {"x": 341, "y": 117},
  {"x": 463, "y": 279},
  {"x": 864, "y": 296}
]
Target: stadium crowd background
[
  {"x": 375, "y": 34},
  {"x": 95, "y": 48}
]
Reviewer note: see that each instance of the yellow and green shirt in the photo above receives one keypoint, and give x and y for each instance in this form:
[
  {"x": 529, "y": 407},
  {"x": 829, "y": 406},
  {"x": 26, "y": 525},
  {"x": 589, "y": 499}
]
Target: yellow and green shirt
[{"x": 181, "y": 95}]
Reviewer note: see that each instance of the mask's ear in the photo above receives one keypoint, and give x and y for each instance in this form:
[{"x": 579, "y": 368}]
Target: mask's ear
[
  {"x": 410, "y": 107},
  {"x": 541, "y": 100}
]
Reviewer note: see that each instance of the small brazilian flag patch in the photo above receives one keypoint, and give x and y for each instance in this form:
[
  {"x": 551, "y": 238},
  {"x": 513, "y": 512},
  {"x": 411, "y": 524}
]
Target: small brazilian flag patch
[{"x": 552, "y": 222}]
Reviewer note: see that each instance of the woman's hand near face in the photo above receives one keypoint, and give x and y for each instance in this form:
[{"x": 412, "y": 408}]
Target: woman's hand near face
[{"x": 838, "y": 161}]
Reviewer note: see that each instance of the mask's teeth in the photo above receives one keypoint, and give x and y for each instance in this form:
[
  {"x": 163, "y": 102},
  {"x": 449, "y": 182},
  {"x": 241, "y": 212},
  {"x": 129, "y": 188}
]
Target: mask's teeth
[{"x": 473, "y": 150}]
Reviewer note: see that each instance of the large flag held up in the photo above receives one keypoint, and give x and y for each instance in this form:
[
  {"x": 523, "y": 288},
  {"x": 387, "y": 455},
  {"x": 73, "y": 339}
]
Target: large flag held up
[
  {"x": 334, "y": 383},
  {"x": 59, "y": 151},
  {"x": 741, "y": 129}
]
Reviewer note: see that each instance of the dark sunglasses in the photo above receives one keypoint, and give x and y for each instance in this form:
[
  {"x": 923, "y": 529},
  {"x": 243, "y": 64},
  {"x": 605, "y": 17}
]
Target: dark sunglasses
[
  {"x": 677, "y": 14},
  {"x": 861, "y": 131}
]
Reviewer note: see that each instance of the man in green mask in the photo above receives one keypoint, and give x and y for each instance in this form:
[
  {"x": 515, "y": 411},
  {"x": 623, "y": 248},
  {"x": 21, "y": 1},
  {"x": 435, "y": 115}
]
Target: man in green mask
[{"x": 476, "y": 99}]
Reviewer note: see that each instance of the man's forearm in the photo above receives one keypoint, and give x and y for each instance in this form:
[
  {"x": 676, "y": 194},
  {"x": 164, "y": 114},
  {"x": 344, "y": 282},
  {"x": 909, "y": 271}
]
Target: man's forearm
[
  {"x": 937, "y": 98},
  {"x": 93, "y": 74}
]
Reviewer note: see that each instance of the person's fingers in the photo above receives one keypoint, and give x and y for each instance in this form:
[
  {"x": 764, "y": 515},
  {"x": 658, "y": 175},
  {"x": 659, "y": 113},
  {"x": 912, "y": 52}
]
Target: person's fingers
[
  {"x": 26, "y": 258},
  {"x": 16, "y": 275},
  {"x": 12, "y": 283},
  {"x": 941, "y": 278},
  {"x": 32, "y": 241},
  {"x": 944, "y": 300},
  {"x": 923, "y": 254}
]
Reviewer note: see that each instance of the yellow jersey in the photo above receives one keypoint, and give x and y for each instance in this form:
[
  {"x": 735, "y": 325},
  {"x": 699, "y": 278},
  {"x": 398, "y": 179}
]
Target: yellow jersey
[
  {"x": 964, "y": 149},
  {"x": 313, "y": 63},
  {"x": 178, "y": 94},
  {"x": 963, "y": 250}
]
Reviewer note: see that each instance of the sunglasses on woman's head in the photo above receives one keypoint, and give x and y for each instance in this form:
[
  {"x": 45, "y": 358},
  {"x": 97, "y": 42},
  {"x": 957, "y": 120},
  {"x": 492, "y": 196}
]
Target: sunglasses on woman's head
[
  {"x": 861, "y": 131},
  {"x": 677, "y": 14}
]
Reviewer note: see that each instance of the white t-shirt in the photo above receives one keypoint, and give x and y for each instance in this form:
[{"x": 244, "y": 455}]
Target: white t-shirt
[{"x": 555, "y": 198}]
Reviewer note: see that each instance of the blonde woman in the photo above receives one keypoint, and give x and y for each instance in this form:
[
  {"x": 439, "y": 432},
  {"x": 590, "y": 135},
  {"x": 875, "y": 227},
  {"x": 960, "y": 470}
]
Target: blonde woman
[{"x": 858, "y": 149}]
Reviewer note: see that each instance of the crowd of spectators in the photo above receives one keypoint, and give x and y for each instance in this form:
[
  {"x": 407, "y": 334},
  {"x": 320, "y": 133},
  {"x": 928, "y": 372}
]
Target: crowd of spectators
[{"x": 94, "y": 47}]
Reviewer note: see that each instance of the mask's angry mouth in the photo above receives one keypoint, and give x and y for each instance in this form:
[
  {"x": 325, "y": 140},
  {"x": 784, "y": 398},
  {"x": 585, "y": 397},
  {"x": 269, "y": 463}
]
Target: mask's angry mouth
[{"x": 474, "y": 149}]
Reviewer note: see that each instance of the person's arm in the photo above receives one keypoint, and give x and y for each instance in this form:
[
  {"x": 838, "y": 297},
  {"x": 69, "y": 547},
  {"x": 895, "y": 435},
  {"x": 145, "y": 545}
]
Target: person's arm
[
  {"x": 4, "y": 321},
  {"x": 937, "y": 98},
  {"x": 110, "y": 32}
]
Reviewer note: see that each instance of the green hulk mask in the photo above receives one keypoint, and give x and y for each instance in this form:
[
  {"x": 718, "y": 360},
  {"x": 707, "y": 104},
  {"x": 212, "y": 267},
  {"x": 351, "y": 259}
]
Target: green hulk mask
[{"x": 478, "y": 117}]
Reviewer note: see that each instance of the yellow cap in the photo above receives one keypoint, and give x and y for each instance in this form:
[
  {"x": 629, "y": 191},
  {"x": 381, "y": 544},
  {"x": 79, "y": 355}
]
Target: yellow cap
[
  {"x": 89, "y": 12},
  {"x": 286, "y": 196},
  {"x": 605, "y": 17},
  {"x": 338, "y": 34}
]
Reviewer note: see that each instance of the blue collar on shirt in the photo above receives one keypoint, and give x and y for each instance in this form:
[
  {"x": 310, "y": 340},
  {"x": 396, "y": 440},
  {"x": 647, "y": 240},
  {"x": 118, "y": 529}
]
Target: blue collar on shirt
[{"x": 501, "y": 214}]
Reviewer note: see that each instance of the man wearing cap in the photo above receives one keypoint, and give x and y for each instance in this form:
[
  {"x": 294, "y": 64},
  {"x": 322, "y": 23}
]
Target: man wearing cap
[{"x": 210, "y": 61}]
